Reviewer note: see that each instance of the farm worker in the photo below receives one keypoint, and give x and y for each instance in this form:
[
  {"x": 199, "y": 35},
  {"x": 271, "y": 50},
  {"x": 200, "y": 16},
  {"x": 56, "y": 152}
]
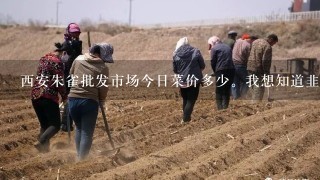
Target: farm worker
[
  {"x": 84, "y": 97},
  {"x": 222, "y": 66},
  {"x": 229, "y": 41},
  {"x": 188, "y": 65},
  {"x": 232, "y": 35},
  {"x": 44, "y": 95},
  {"x": 71, "y": 39},
  {"x": 240, "y": 55},
  {"x": 259, "y": 63}
]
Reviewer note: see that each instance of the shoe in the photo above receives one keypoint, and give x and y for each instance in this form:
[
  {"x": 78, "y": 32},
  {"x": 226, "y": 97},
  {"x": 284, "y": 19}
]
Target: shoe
[
  {"x": 42, "y": 148},
  {"x": 184, "y": 122},
  {"x": 64, "y": 128}
]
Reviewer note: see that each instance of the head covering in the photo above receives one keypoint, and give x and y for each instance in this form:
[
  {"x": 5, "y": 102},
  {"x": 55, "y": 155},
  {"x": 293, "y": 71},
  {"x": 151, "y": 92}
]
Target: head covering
[
  {"x": 232, "y": 33},
  {"x": 73, "y": 27},
  {"x": 213, "y": 40},
  {"x": 181, "y": 42},
  {"x": 106, "y": 51},
  {"x": 245, "y": 36}
]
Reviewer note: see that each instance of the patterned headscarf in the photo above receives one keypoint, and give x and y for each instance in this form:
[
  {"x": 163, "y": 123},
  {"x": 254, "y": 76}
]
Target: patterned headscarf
[{"x": 106, "y": 51}]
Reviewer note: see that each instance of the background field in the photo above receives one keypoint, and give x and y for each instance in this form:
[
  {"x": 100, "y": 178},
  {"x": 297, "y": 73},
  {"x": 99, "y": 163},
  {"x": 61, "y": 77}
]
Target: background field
[{"x": 278, "y": 139}]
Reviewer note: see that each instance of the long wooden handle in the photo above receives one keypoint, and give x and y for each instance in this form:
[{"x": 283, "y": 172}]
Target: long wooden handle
[
  {"x": 106, "y": 125},
  {"x": 105, "y": 121},
  {"x": 89, "y": 41}
]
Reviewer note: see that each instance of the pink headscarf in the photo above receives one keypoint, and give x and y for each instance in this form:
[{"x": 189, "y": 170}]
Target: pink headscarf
[{"x": 214, "y": 40}]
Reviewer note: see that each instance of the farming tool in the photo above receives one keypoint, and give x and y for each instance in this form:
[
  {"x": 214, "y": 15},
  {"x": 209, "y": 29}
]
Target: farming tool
[
  {"x": 114, "y": 150},
  {"x": 61, "y": 107},
  {"x": 89, "y": 41}
]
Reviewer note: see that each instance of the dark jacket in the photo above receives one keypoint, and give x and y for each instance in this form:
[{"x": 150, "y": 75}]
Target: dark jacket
[
  {"x": 74, "y": 50},
  {"x": 221, "y": 57},
  {"x": 230, "y": 42},
  {"x": 188, "y": 60}
]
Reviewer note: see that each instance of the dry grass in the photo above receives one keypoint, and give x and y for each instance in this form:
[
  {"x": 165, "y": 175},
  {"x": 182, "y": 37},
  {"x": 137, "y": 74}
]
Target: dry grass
[
  {"x": 22, "y": 43},
  {"x": 107, "y": 28},
  {"x": 36, "y": 25}
]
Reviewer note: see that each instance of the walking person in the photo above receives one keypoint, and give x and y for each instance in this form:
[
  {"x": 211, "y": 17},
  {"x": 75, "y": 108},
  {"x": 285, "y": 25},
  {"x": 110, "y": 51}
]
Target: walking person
[
  {"x": 240, "y": 55},
  {"x": 230, "y": 41},
  {"x": 74, "y": 44},
  {"x": 188, "y": 64},
  {"x": 259, "y": 63},
  {"x": 222, "y": 66},
  {"x": 45, "y": 99},
  {"x": 232, "y": 35},
  {"x": 84, "y": 97}
]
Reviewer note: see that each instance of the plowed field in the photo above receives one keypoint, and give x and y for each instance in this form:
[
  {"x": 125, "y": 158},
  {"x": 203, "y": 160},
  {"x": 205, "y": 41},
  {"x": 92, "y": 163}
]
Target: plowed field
[{"x": 278, "y": 139}]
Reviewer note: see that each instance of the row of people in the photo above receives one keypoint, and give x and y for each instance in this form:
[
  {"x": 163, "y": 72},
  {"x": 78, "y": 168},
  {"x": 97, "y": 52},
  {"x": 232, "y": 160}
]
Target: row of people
[
  {"x": 81, "y": 102},
  {"x": 232, "y": 62}
]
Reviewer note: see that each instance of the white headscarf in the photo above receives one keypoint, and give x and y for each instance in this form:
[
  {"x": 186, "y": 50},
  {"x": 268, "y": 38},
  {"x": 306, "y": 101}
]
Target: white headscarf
[{"x": 181, "y": 42}]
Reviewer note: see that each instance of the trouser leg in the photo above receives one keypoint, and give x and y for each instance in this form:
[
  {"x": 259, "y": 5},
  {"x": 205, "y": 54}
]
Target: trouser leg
[
  {"x": 84, "y": 112},
  {"x": 235, "y": 87},
  {"x": 191, "y": 98},
  {"x": 223, "y": 87},
  {"x": 52, "y": 114},
  {"x": 219, "y": 101},
  {"x": 49, "y": 118}
]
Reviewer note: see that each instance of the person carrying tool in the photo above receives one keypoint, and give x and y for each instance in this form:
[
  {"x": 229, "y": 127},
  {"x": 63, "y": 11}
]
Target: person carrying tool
[
  {"x": 84, "y": 97},
  {"x": 44, "y": 96},
  {"x": 259, "y": 63},
  {"x": 222, "y": 66},
  {"x": 188, "y": 63},
  {"x": 71, "y": 40},
  {"x": 240, "y": 55}
]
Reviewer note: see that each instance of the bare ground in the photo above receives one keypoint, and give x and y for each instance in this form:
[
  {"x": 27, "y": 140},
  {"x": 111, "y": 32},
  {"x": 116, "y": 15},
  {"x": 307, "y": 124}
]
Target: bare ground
[{"x": 278, "y": 139}]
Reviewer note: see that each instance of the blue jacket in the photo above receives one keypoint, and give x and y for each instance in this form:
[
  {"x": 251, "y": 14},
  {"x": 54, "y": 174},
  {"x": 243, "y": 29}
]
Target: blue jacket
[
  {"x": 188, "y": 60},
  {"x": 221, "y": 57}
]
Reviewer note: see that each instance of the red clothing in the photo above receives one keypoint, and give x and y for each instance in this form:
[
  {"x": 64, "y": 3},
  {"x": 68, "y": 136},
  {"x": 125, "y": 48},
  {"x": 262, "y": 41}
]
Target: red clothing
[{"x": 51, "y": 70}]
